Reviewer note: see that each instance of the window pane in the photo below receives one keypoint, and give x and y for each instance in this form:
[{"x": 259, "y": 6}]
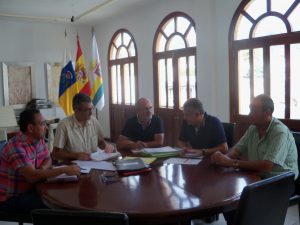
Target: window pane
[
  {"x": 269, "y": 26},
  {"x": 131, "y": 49},
  {"x": 244, "y": 81},
  {"x": 161, "y": 43},
  {"x": 114, "y": 85},
  {"x": 294, "y": 18},
  {"x": 258, "y": 69},
  {"x": 281, "y": 6},
  {"x": 182, "y": 24},
  {"x": 255, "y": 8},
  {"x": 122, "y": 53},
  {"x": 277, "y": 77},
  {"x": 132, "y": 83},
  {"x": 126, "y": 39},
  {"x": 176, "y": 42},
  {"x": 182, "y": 70},
  {"x": 118, "y": 40},
  {"x": 127, "y": 84},
  {"x": 113, "y": 52},
  {"x": 295, "y": 81},
  {"x": 170, "y": 83},
  {"x": 192, "y": 76},
  {"x": 191, "y": 38},
  {"x": 162, "y": 83},
  {"x": 119, "y": 84},
  {"x": 169, "y": 27},
  {"x": 242, "y": 29}
]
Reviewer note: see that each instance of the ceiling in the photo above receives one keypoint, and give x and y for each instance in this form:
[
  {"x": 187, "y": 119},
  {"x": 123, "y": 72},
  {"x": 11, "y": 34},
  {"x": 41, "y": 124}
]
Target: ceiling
[{"x": 82, "y": 11}]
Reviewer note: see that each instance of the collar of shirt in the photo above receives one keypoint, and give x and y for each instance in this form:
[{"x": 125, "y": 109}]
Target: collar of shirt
[
  {"x": 76, "y": 124},
  {"x": 144, "y": 127},
  {"x": 203, "y": 123},
  {"x": 267, "y": 131},
  {"x": 24, "y": 138}
]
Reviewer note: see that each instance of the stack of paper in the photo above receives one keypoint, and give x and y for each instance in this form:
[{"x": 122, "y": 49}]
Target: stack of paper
[
  {"x": 100, "y": 155},
  {"x": 88, "y": 165},
  {"x": 62, "y": 178},
  {"x": 184, "y": 161},
  {"x": 166, "y": 151}
]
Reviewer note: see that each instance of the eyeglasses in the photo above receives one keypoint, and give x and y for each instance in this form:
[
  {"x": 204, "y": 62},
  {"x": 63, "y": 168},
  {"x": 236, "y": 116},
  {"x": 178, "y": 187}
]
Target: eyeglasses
[{"x": 86, "y": 110}]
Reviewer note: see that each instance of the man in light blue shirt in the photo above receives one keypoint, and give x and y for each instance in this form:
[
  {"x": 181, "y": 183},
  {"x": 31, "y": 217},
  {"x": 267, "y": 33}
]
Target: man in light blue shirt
[{"x": 268, "y": 144}]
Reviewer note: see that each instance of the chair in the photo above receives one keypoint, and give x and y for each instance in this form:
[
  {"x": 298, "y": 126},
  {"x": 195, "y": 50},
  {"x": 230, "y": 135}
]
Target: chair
[
  {"x": 51, "y": 133},
  {"x": 295, "y": 199},
  {"x": 3, "y": 139},
  {"x": 65, "y": 217},
  {"x": 229, "y": 133},
  {"x": 7, "y": 216},
  {"x": 266, "y": 201}
]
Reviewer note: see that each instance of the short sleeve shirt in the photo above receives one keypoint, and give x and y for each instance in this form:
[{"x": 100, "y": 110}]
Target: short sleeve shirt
[
  {"x": 134, "y": 131},
  {"x": 277, "y": 145},
  {"x": 72, "y": 137},
  {"x": 209, "y": 135},
  {"x": 19, "y": 152}
]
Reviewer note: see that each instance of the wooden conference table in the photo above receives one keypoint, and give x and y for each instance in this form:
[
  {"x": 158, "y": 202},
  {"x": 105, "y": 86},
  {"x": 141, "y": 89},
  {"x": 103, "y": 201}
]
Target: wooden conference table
[{"x": 169, "y": 193}]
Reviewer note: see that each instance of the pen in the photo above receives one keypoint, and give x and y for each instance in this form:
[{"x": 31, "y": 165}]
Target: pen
[{"x": 136, "y": 172}]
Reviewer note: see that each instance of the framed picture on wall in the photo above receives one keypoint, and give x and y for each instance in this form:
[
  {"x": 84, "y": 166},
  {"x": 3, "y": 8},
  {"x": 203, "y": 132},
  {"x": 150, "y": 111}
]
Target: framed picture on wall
[
  {"x": 18, "y": 83},
  {"x": 53, "y": 71}
]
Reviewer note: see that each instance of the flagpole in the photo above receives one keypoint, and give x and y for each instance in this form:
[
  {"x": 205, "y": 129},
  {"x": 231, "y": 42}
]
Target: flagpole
[{"x": 93, "y": 30}]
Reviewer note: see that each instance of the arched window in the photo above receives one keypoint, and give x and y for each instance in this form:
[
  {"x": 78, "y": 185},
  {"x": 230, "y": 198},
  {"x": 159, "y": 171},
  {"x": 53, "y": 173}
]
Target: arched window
[
  {"x": 122, "y": 67},
  {"x": 265, "y": 57},
  {"x": 123, "y": 79},
  {"x": 174, "y": 56}
]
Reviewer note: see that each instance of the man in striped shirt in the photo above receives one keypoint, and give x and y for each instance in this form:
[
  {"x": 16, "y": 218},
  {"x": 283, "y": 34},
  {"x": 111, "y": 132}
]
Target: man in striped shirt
[{"x": 24, "y": 161}]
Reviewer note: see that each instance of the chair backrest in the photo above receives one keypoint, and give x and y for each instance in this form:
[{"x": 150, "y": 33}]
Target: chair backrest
[
  {"x": 229, "y": 133},
  {"x": 297, "y": 141},
  {"x": 51, "y": 133},
  {"x": 266, "y": 201},
  {"x": 3, "y": 135},
  {"x": 3, "y": 139},
  {"x": 65, "y": 217}
]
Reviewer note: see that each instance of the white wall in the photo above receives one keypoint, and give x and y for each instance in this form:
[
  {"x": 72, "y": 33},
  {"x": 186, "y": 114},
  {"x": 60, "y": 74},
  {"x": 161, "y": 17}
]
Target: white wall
[
  {"x": 44, "y": 42},
  {"x": 212, "y": 18}
]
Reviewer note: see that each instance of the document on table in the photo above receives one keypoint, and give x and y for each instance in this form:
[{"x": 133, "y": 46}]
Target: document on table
[
  {"x": 100, "y": 165},
  {"x": 100, "y": 155},
  {"x": 165, "y": 149},
  {"x": 184, "y": 161},
  {"x": 62, "y": 177},
  {"x": 147, "y": 160}
]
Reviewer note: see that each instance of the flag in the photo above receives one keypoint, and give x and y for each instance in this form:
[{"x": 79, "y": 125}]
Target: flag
[
  {"x": 67, "y": 84},
  {"x": 97, "y": 88},
  {"x": 81, "y": 74}
]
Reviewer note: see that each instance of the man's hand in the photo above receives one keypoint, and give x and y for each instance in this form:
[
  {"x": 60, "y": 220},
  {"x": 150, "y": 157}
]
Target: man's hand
[
  {"x": 109, "y": 148},
  {"x": 140, "y": 144},
  {"x": 221, "y": 159},
  {"x": 72, "y": 170},
  {"x": 83, "y": 156}
]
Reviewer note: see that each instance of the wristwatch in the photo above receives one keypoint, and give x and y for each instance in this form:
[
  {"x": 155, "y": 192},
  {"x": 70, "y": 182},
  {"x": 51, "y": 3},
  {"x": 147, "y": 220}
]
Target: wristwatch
[{"x": 235, "y": 164}]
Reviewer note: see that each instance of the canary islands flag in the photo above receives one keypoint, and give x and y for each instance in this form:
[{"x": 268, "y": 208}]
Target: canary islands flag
[
  {"x": 81, "y": 74},
  {"x": 67, "y": 86},
  {"x": 95, "y": 66}
]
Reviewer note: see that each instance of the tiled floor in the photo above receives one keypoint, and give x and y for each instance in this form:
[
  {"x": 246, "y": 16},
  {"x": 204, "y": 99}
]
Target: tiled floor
[{"x": 292, "y": 218}]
